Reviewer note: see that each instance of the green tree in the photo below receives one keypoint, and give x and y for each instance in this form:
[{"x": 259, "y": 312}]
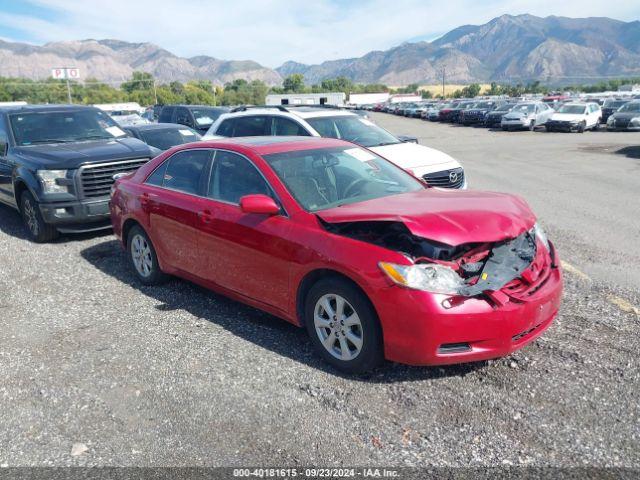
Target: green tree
[{"x": 294, "y": 83}]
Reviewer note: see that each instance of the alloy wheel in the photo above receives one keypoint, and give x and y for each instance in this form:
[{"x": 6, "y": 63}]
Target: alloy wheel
[
  {"x": 338, "y": 327},
  {"x": 31, "y": 217},
  {"x": 141, "y": 255}
]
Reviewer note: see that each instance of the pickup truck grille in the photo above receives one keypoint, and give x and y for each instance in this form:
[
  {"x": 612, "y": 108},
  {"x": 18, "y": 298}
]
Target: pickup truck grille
[
  {"x": 96, "y": 179},
  {"x": 453, "y": 178}
]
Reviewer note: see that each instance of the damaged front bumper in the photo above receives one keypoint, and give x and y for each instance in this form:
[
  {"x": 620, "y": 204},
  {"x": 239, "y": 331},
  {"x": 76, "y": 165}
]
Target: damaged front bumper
[{"x": 422, "y": 328}]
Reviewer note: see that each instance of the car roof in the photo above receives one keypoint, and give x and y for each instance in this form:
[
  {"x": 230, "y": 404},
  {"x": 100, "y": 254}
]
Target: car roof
[
  {"x": 196, "y": 106},
  {"x": 273, "y": 144},
  {"x": 45, "y": 108},
  {"x": 303, "y": 112},
  {"x": 155, "y": 126}
]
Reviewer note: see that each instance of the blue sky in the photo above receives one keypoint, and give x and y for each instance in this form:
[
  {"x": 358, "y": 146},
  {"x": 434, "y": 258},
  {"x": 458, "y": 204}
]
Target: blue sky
[{"x": 273, "y": 31}]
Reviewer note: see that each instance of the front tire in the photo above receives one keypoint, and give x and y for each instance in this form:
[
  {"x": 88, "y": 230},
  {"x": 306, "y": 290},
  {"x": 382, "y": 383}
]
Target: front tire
[
  {"x": 532, "y": 126},
  {"x": 143, "y": 258},
  {"x": 343, "y": 326},
  {"x": 582, "y": 127},
  {"x": 37, "y": 229}
]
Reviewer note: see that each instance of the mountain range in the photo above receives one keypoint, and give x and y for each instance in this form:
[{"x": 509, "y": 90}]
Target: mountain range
[
  {"x": 506, "y": 49},
  {"x": 115, "y": 61}
]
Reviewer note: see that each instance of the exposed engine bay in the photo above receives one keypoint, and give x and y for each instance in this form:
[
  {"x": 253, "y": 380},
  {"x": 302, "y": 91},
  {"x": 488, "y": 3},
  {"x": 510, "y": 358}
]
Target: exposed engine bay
[{"x": 484, "y": 267}]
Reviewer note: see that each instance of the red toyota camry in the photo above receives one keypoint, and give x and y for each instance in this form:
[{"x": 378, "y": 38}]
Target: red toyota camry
[{"x": 331, "y": 237}]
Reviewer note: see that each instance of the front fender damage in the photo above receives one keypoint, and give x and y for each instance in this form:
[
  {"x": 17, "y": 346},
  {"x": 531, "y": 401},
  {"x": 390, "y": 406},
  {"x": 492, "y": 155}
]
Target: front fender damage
[{"x": 495, "y": 270}]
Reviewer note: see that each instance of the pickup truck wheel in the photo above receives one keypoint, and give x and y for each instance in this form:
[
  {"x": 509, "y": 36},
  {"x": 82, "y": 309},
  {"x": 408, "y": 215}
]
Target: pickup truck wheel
[
  {"x": 343, "y": 326},
  {"x": 38, "y": 230},
  {"x": 143, "y": 257}
]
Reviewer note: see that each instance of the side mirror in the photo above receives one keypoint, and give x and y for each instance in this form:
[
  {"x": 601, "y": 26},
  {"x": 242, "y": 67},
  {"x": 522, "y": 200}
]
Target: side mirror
[
  {"x": 260, "y": 204},
  {"x": 407, "y": 139}
]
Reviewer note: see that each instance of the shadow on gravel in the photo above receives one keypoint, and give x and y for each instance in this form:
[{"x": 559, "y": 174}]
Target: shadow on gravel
[
  {"x": 11, "y": 224},
  {"x": 260, "y": 328}
]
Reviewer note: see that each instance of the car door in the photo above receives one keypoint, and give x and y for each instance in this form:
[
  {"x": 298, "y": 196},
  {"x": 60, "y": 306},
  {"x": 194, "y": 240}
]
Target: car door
[
  {"x": 171, "y": 201},
  {"x": 246, "y": 253},
  {"x": 6, "y": 166}
]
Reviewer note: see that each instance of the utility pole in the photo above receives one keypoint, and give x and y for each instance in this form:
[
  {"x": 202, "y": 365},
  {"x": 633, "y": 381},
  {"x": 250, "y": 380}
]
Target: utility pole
[
  {"x": 155, "y": 92},
  {"x": 69, "y": 91},
  {"x": 443, "y": 75}
]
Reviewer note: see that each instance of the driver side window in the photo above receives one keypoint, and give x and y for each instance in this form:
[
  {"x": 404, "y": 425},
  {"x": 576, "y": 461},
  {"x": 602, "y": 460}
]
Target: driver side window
[{"x": 233, "y": 177}]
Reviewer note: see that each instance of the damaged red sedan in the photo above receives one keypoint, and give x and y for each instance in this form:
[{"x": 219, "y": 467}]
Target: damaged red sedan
[{"x": 331, "y": 237}]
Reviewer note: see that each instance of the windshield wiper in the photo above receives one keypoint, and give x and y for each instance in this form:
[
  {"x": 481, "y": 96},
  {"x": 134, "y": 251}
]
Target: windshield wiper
[
  {"x": 383, "y": 144},
  {"x": 47, "y": 140},
  {"x": 93, "y": 137}
]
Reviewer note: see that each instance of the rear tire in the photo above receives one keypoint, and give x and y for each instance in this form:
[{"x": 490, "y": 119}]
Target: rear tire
[
  {"x": 37, "y": 229},
  {"x": 343, "y": 326},
  {"x": 143, "y": 258}
]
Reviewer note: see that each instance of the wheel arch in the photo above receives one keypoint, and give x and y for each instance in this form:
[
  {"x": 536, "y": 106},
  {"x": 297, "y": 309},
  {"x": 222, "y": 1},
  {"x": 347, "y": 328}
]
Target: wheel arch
[
  {"x": 128, "y": 224},
  {"x": 313, "y": 277}
]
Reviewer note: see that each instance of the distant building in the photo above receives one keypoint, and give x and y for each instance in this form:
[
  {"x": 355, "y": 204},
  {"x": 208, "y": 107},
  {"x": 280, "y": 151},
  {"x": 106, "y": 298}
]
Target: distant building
[
  {"x": 405, "y": 97},
  {"x": 332, "y": 98},
  {"x": 368, "y": 98},
  {"x": 633, "y": 88}
]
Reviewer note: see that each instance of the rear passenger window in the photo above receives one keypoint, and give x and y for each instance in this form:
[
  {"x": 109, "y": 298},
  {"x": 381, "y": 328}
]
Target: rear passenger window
[
  {"x": 157, "y": 177},
  {"x": 185, "y": 171},
  {"x": 3, "y": 131},
  {"x": 226, "y": 128},
  {"x": 166, "y": 114},
  {"x": 252, "y": 126},
  {"x": 286, "y": 127}
]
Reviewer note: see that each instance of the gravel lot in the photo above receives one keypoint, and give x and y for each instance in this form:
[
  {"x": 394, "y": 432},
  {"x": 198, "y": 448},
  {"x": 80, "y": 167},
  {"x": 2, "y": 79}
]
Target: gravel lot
[{"x": 98, "y": 370}]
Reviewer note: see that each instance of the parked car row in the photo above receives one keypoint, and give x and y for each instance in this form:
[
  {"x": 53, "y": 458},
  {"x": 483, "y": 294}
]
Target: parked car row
[{"x": 554, "y": 113}]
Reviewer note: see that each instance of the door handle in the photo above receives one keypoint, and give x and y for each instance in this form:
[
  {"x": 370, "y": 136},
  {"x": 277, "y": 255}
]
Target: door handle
[
  {"x": 145, "y": 198},
  {"x": 205, "y": 216}
]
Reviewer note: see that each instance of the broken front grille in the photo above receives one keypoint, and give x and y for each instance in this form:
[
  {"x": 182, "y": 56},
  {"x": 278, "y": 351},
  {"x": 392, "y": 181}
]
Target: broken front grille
[
  {"x": 96, "y": 179},
  {"x": 453, "y": 178}
]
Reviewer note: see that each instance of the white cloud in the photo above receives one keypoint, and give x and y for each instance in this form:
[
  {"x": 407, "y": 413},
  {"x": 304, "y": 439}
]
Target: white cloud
[{"x": 273, "y": 31}]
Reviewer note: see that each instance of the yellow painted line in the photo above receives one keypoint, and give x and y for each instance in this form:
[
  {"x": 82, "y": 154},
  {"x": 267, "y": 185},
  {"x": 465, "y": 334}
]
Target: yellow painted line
[
  {"x": 574, "y": 271},
  {"x": 623, "y": 304},
  {"x": 619, "y": 302}
]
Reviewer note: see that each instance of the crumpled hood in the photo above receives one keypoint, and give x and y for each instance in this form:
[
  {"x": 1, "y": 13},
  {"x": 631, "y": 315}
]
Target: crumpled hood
[
  {"x": 567, "y": 117},
  {"x": 413, "y": 155},
  {"x": 445, "y": 216},
  {"x": 72, "y": 155}
]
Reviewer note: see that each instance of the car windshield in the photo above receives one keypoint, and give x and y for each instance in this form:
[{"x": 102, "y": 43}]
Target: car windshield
[
  {"x": 505, "y": 108},
  {"x": 331, "y": 177},
  {"x": 353, "y": 129},
  {"x": 166, "y": 138},
  {"x": 574, "y": 109},
  {"x": 524, "y": 107},
  {"x": 206, "y": 116},
  {"x": 31, "y": 128},
  {"x": 630, "y": 107},
  {"x": 466, "y": 106},
  {"x": 483, "y": 105},
  {"x": 614, "y": 103}
]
